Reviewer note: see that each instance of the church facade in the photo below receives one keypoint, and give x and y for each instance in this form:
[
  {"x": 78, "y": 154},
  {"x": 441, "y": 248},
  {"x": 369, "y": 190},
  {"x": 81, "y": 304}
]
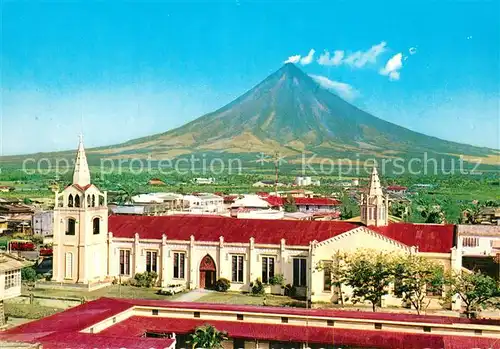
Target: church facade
[{"x": 195, "y": 251}]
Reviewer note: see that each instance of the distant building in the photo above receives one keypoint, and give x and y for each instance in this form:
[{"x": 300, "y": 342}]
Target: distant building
[
  {"x": 205, "y": 203},
  {"x": 396, "y": 189},
  {"x": 267, "y": 184},
  {"x": 246, "y": 213},
  {"x": 249, "y": 203},
  {"x": 307, "y": 204},
  {"x": 156, "y": 181},
  {"x": 204, "y": 180},
  {"x": 5, "y": 188},
  {"x": 306, "y": 181},
  {"x": 42, "y": 223}
]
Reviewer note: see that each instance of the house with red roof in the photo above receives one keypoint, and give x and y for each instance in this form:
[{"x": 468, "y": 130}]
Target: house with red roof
[{"x": 197, "y": 250}]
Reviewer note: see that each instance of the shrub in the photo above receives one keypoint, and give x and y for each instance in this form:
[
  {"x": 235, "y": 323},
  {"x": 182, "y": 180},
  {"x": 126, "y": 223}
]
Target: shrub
[
  {"x": 28, "y": 274},
  {"x": 146, "y": 279},
  {"x": 222, "y": 285},
  {"x": 258, "y": 287},
  {"x": 290, "y": 290},
  {"x": 277, "y": 279},
  {"x": 37, "y": 239}
]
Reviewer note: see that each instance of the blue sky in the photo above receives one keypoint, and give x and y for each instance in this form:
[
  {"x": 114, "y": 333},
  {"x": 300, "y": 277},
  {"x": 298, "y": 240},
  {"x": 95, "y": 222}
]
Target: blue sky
[{"x": 134, "y": 69}]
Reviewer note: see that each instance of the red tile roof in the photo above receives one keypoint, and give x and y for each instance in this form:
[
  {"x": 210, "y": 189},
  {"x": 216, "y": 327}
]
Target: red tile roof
[
  {"x": 396, "y": 188},
  {"x": 278, "y": 201},
  {"x": 206, "y": 228},
  {"x": 317, "y": 201},
  {"x": 427, "y": 237},
  {"x": 276, "y": 332},
  {"x": 62, "y": 330}
]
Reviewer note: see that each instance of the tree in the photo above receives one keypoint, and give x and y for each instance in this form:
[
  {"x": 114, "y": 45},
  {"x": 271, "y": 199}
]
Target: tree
[
  {"x": 207, "y": 337},
  {"x": 337, "y": 272},
  {"x": 289, "y": 204},
  {"x": 28, "y": 274},
  {"x": 125, "y": 194},
  {"x": 369, "y": 273},
  {"x": 37, "y": 239},
  {"x": 474, "y": 289},
  {"x": 414, "y": 277}
]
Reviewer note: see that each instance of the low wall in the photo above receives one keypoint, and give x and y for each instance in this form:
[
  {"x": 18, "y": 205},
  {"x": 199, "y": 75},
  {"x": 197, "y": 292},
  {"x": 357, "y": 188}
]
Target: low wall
[{"x": 54, "y": 302}]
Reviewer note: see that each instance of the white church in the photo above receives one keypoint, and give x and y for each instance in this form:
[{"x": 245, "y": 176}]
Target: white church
[{"x": 92, "y": 248}]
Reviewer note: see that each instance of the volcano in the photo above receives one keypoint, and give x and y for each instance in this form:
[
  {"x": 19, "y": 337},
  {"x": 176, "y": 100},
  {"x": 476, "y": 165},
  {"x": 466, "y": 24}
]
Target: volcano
[{"x": 290, "y": 113}]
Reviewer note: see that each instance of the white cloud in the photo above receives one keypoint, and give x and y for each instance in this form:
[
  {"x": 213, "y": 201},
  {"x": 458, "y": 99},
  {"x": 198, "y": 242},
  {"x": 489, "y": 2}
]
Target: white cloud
[
  {"x": 293, "y": 59},
  {"x": 325, "y": 59},
  {"x": 356, "y": 59},
  {"x": 309, "y": 58},
  {"x": 412, "y": 50},
  {"x": 359, "y": 59},
  {"x": 392, "y": 67},
  {"x": 344, "y": 90}
]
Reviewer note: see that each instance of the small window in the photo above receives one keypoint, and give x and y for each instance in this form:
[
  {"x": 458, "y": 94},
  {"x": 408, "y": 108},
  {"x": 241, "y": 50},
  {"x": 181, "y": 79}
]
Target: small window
[
  {"x": 284, "y": 320},
  {"x": 427, "y": 329},
  {"x": 478, "y": 332},
  {"x": 197, "y": 314},
  {"x": 96, "y": 225},
  {"x": 70, "y": 200},
  {"x": 154, "y": 311},
  {"x": 330, "y": 323},
  {"x": 378, "y": 326},
  {"x": 114, "y": 320},
  {"x": 77, "y": 200},
  {"x": 239, "y": 317},
  {"x": 71, "y": 228}
]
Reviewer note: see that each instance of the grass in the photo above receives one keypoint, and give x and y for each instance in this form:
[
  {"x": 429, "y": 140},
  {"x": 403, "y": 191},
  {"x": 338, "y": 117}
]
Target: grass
[
  {"x": 114, "y": 291},
  {"x": 29, "y": 311},
  {"x": 249, "y": 299}
]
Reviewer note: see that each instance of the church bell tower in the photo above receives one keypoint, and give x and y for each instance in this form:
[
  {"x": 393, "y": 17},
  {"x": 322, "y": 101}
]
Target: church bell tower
[
  {"x": 80, "y": 228},
  {"x": 373, "y": 204}
]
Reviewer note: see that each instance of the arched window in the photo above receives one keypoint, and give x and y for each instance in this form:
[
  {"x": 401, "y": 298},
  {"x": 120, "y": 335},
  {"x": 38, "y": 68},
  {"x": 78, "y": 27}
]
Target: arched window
[
  {"x": 70, "y": 200},
  {"x": 77, "y": 200},
  {"x": 68, "y": 270},
  {"x": 96, "y": 225},
  {"x": 71, "y": 228},
  {"x": 93, "y": 200},
  {"x": 88, "y": 200}
]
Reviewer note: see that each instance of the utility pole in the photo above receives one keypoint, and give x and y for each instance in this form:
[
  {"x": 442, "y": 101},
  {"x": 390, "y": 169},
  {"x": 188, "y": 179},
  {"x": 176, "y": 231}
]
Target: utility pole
[{"x": 276, "y": 171}]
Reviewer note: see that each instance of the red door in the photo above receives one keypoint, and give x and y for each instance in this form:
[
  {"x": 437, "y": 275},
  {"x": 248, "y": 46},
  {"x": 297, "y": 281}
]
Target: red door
[{"x": 207, "y": 272}]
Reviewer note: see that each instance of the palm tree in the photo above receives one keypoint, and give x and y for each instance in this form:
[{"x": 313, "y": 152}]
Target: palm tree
[
  {"x": 207, "y": 337},
  {"x": 125, "y": 194}
]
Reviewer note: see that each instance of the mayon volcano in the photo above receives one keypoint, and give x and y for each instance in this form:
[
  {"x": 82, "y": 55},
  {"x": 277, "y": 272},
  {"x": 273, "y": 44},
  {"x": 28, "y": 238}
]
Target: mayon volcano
[{"x": 290, "y": 113}]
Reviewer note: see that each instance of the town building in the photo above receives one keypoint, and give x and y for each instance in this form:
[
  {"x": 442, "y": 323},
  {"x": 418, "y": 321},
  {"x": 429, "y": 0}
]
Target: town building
[
  {"x": 479, "y": 246},
  {"x": 156, "y": 181},
  {"x": 42, "y": 223},
  {"x": 10, "y": 280},
  {"x": 5, "y": 188},
  {"x": 204, "y": 180},
  {"x": 204, "y": 203},
  {"x": 396, "y": 189},
  {"x": 109, "y": 323},
  {"x": 195, "y": 251},
  {"x": 268, "y": 184}
]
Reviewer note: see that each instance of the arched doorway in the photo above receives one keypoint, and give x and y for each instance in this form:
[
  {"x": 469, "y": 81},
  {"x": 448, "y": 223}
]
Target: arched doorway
[{"x": 207, "y": 272}]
